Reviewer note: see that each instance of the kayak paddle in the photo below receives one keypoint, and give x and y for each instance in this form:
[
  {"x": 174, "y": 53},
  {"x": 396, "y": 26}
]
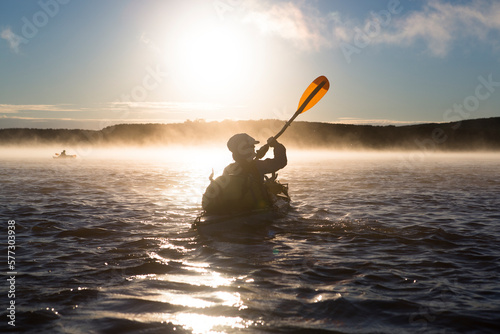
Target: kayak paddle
[{"x": 316, "y": 90}]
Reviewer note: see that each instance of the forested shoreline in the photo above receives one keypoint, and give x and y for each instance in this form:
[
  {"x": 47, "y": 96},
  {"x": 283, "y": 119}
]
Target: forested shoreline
[{"x": 475, "y": 134}]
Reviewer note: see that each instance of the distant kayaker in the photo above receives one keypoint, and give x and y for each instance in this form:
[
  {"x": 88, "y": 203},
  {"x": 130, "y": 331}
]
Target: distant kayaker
[
  {"x": 63, "y": 153},
  {"x": 241, "y": 187}
]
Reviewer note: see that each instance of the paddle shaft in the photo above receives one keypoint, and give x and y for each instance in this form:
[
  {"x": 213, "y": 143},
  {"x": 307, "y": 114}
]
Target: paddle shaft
[
  {"x": 301, "y": 109},
  {"x": 263, "y": 150}
]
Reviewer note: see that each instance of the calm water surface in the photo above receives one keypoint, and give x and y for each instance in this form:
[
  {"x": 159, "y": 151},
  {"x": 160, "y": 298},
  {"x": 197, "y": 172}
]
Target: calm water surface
[{"x": 374, "y": 243}]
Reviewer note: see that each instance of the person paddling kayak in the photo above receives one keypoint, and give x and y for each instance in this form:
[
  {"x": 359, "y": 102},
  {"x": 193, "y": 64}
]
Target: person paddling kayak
[
  {"x": 241, "y": 187},
  {"x": 243, "y": 190},
  {"x": 243, "y": 148}
]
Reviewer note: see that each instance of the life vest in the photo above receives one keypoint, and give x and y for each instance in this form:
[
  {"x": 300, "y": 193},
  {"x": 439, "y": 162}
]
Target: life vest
[{"x": 239, "y": 189}]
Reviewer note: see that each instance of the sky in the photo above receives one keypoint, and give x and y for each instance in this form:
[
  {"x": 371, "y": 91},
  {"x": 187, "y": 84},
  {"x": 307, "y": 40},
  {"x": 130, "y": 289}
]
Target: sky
[{"x": 89, "y": 64}]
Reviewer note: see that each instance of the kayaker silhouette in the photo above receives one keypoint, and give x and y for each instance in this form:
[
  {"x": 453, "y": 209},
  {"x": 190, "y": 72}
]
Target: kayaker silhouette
[
  {"x": 63, "y": 153},
  {"x": 243, "y": 148},
  {"x": 241, "y": 187}
]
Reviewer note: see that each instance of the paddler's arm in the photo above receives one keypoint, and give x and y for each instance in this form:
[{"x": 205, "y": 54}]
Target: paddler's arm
[{"x": 277, "y": 162}]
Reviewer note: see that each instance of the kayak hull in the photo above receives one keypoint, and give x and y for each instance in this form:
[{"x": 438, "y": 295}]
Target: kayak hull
[
  {"x": 210, "y": 224},
  {"x": 64, "y": 156},
  {"x": 246, "y": 221},
  {"x": 250, "y": 220}
]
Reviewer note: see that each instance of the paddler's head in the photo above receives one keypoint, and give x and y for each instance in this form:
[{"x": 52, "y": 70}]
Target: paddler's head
[{"x": 242, "y": 146}]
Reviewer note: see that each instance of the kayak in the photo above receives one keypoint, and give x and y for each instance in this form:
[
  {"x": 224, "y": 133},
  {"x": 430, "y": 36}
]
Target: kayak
[
  {"x": 67, "y": 156},
  {"x": 245, "y": 221},
  {"x": 248, "y": 220}
]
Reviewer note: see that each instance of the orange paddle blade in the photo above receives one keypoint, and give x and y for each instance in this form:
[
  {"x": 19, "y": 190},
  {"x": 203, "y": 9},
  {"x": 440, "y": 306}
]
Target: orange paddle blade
[{"x": 316, "y": 90}]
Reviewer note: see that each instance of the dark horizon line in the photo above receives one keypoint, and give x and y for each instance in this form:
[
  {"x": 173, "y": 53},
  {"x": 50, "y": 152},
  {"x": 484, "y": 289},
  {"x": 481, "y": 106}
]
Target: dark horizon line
[
  {"x": 201, "y": 120},
  {"x": 471, "y": 134}
]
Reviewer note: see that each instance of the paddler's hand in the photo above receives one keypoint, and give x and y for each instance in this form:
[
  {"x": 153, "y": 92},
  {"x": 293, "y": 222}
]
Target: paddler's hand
[
  {"x": 261, "y": 152},
  {"x": 272, "y": 142}
]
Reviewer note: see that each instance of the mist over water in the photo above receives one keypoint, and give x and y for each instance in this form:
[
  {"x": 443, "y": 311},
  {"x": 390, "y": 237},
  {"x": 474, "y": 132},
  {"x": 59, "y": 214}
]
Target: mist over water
[{"x": 394, "y": 242}]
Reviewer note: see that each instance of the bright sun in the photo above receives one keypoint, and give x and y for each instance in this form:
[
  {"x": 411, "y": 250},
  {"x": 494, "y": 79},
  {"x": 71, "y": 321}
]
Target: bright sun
[{"x": 214, "y": 61}]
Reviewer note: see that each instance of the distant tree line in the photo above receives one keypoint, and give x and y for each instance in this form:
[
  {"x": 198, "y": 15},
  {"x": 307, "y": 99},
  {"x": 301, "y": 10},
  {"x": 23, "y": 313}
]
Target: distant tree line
[{"x": 477, "y": 134}]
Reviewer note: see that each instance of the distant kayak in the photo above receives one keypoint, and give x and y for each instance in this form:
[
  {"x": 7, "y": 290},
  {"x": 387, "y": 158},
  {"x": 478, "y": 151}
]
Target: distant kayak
[{"x": 67, "y": 156}]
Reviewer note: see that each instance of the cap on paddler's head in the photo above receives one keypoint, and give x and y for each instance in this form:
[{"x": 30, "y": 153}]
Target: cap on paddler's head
[{"x": 240, "y": 142}]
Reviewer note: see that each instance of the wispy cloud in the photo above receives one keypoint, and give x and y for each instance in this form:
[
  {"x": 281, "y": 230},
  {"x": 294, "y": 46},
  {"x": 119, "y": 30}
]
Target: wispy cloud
[
  {"x": 439, "y": 24},
  {"x": 73, "y": 123},
  {"x": 166, "y": 106},
  {"x": 98, "y": 116},
  {"x": 13, "y": 40},
  {"x": 364, "y": 121},
  {"x": 18, "y": 108},
  {"x": 302, "y": 25},
  {"x": 112, "y": 106}
]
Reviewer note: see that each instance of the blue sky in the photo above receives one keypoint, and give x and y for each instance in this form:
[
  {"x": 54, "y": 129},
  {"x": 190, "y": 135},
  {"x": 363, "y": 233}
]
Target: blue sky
[{"x": 93, "y": 63}]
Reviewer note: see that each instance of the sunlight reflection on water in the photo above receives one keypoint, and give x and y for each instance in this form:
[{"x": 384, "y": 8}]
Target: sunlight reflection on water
[
  {"x": 203, "y": 324},
  {"x": 191, "y": 316}
]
